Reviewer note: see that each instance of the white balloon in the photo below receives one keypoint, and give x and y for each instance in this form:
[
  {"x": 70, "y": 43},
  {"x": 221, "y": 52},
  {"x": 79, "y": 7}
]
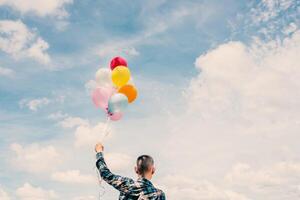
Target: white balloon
[{"x": 103, "y": 77}]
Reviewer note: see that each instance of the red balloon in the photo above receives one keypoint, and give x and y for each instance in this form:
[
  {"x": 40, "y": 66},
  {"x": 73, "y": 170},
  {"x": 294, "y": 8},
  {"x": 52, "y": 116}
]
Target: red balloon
[{"x": 117, "y": 61}]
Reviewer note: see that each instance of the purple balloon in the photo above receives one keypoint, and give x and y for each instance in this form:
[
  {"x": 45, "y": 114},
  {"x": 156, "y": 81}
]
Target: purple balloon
[{"x": 101, "y": 96}]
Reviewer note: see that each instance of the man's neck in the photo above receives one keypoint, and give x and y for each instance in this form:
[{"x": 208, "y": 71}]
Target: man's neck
[{"x": 147, "y": 176}]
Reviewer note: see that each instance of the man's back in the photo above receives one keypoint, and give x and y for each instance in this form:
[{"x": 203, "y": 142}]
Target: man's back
[{"x": 141, "y": 189}]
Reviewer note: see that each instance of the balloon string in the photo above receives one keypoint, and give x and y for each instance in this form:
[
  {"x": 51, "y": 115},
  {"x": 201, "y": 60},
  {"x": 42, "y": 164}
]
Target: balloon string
[
  {"x": 105, "y": 134},
  {"x": 106, "y": 129}
]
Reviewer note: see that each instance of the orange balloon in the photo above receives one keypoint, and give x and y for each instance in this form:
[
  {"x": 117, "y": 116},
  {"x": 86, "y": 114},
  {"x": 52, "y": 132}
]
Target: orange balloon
[{"x": 130, "y": 91}]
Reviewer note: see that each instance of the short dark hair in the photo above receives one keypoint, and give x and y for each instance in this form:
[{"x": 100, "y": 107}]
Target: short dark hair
[{"x": 143, "y": 163}]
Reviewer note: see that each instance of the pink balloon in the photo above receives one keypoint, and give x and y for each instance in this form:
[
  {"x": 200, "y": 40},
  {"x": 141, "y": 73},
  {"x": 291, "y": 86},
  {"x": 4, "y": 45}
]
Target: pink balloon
[
  {"x": 101, "y": 95},
  {"x": 115, "y": 116}
]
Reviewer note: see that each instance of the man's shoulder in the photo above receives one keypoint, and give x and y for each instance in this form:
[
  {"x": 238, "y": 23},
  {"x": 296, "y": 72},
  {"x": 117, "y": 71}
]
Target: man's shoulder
[
  {"x": 155, "y": 193},
  {"x": 145, "y": 189},
  {"x": 161, "y": 194}
]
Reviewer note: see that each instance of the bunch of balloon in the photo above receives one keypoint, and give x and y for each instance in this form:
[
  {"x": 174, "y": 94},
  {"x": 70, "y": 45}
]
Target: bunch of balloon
[{"x": 114, "y": 89}]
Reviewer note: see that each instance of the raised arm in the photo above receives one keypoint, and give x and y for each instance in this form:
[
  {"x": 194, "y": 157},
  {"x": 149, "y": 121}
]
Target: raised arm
[{"x": 120, "y": 183}]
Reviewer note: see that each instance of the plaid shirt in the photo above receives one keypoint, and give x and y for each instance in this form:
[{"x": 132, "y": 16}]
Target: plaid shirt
[{"x": 142, "y": 189}]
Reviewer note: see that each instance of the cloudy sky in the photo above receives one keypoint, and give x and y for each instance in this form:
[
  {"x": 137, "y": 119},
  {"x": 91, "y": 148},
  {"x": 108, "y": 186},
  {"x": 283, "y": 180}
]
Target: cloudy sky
[{"x": 218, "y": 106}]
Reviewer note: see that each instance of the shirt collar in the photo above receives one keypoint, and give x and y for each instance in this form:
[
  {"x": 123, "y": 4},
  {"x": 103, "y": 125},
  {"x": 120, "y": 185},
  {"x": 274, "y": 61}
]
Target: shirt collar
[{"x": 144, "y": 180}]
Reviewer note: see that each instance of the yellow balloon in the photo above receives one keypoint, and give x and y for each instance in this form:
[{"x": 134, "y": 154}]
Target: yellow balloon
[{"x": 120, "y": 76}]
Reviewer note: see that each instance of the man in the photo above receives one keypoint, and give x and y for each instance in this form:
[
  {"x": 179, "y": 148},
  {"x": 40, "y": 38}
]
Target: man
[{"x": 142, "y": 189}]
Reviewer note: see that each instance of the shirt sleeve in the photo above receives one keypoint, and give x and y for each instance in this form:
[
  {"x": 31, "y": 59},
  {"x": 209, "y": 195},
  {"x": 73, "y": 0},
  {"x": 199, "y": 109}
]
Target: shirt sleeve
[
  {"x": 120, "y": 183},
  {"x": 162, "y": 195}
]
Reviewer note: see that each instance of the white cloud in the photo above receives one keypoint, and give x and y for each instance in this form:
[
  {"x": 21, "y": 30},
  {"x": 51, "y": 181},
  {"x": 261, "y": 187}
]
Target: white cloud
[
  {"x": 131, "y": 51},
  {"x": 269, "y": 19},
  {"x": 73, "y": 176},
  {"x": 19, "y": 41},
  {"x": 61, "y": 25},
  {"x": 270, "y": 9},
  {"x": 37, "y": 50},
  {"x": 29, "y": 192},
  {"x": 40, "y": 8},
  {"x": 6, "y": 72},
  {"x": 71, "y": 122},
  {"x": 266, "y": 180},
  {"x": 289, "y": 29},
  {"x": 278, "y": 173},
  {"x": 88, "y": 135},
  {"x": 242, "y": 173},
  {"x": 248, "y": 86},
  {"x": 242, "y": 107},
  {"x": 85, "y": 134},
  {"x": 90, "y": 197},
  {"x": 90, "y": 86},
  {"x": 181, "y": 187},
  {"x": 4, "y": 195},
  {"x": 118, "y": 48},
  {"x": 34, "y": 104},
  {"x": 57, "y": 116},
  {"x": 235, "y": 196},
  {"x": 119, "y": 161},
  {"x": 34, "y": 158}
]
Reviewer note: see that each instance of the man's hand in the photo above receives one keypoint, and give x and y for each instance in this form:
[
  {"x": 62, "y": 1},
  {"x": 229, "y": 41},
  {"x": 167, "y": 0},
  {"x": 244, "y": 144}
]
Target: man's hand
[{"x": 99, "y": 147}]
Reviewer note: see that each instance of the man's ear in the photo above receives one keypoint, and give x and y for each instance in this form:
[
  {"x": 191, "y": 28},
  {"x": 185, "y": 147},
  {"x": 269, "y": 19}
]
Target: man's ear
[
  {"x": 153, "y": 170},
  {"x": 135, "y": 169}
]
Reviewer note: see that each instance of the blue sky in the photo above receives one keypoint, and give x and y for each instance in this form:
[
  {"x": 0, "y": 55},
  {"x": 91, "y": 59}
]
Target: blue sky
[{"x": 217, "y": 84}]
